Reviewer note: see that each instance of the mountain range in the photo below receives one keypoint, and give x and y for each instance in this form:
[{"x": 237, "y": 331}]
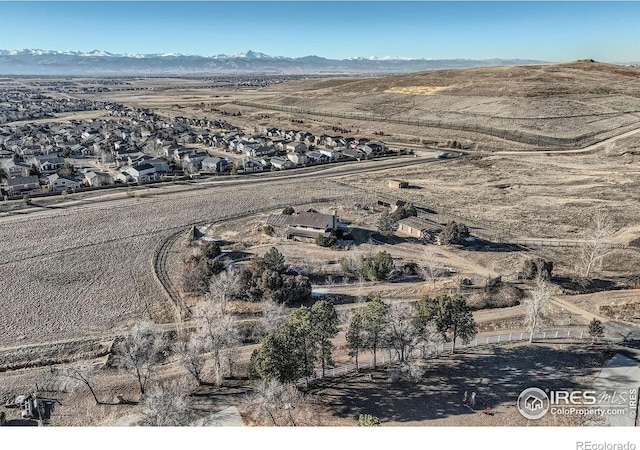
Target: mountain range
[{"x": 102, "y": 63}]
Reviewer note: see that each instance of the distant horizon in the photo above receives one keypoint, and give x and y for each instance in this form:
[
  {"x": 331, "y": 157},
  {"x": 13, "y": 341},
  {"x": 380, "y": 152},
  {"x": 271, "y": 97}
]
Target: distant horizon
[
  {"x": 546, "y": 31},
  {"x": 105, "y": 52}
]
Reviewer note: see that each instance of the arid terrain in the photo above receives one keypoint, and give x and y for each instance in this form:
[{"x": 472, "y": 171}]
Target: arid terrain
[{"x": 544, "y": 147}]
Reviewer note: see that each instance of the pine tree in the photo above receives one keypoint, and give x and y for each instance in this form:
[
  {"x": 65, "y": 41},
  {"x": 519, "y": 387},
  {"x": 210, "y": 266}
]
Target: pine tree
[
  {"x": 596, "y": 330},
  {"x": 374, "y": 321},
  {"x": 452, "y": 317},
  {"x": 324, "y": 327},
  {"x": 356, "y": 339},
  {"x": 274, "y": 260}
]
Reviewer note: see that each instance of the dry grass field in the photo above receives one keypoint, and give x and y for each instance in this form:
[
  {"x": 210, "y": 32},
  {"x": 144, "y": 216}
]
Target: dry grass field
[{"x": 69, "y": 273}]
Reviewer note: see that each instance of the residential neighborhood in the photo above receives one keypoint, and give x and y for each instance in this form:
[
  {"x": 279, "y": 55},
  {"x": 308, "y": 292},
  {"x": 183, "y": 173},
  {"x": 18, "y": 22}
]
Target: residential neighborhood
[{"x": 135, "y": 145}]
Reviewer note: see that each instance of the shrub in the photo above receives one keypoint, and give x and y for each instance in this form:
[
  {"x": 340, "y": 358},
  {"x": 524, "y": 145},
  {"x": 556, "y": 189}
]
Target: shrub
[
  {"x": 534, "y": 266},
  {"x": 454, "y": 233},
  {"x": 211, "y": 249},
  {"x": 407, "y": 210},
  {"x": 367, "y": 420},
  {"x": 379, "y": 267},
  {"x": 325, "y": 241},
  {"x": 288, "y": 210}
]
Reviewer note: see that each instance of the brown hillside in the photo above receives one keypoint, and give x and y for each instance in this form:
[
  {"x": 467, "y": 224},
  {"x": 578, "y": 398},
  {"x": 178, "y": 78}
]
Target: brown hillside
[{"x": 580, "y": 77}]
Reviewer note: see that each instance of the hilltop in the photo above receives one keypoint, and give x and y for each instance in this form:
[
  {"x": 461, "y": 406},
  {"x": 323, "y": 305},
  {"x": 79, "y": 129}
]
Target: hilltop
[{"x": 546, "y": 105}]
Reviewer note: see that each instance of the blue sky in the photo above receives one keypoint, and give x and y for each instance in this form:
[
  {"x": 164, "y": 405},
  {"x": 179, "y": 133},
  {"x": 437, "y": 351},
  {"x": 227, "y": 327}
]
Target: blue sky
[{"x": 551, "y": 31}]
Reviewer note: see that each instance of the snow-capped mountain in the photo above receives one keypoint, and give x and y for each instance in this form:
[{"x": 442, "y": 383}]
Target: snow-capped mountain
[{"x": 99, "y": 62}]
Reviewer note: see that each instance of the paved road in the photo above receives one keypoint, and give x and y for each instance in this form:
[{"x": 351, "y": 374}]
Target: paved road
[{"x": 617, "y": 382}]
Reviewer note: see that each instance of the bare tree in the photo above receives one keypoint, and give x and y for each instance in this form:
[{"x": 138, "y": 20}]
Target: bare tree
[
  {"x": 223, "y": 287},
  {"x": 428, "y": 269},
  {"x": 190, "y": 353},
  {"x": 276, "y": 404},
  {"x": 167, "y": 405},
  {"x": 595, "y": 248},
  {"x": 219, "y": 332},
  {"x": 537, "y": 304},
  {"x": 429, "y": 340},
  {"x": 400, "y": 331},
  {"x": 273, "y": 315},
  {"x": 81, "y": 373},
  {"x": 140, "y": 351}
]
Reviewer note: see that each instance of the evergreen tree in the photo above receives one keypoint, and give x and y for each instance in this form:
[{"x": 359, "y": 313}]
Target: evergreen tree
[
  {"x": 355, "y": 336},
  {"x": 596, "y": 330},
  {"x": 387, "y": 224},
  {"x": 324, "y": 325},
  {"x": 374, "y": 321},
  {"x": 274, "y": 260},
  {"x": 452, "y": 317},
  {"x": 379, "y": 267}
]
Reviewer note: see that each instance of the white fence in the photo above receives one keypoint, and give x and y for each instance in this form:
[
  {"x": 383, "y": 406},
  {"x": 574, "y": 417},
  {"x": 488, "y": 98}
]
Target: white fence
[{"x": 385, "y": 357}]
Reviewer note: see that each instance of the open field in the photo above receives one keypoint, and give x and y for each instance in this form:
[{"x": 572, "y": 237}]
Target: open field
[{"x": 93, "y": 270}]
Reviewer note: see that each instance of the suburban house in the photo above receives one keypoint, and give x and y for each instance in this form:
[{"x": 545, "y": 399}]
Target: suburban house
[
  {"x": 97, "y": 179},
  {"x": 47, "y": 163},
  {"x": 260, "y": 152},
  {"x": 21, "y": 185},
  {"x": 305, "y": 224},
  {"x": 251, "y": 165},
  {"x": 57, "y": 183},
  {"x": 280, "y": 163},
  {"x": 295, "y": 147},
  {"x": 354, "y": 153},
  {"x": 214, "y": 164},
  {"x": 332, "y": 153},
  {"x": 161, "y": 165},
  {"x": 142, "y": 172},
  {"x": 13, "y": 169},
  {"x": 317, "y": 157},
  {"x": 373, "y": 148},
  {"x": 297, "y": 158}
]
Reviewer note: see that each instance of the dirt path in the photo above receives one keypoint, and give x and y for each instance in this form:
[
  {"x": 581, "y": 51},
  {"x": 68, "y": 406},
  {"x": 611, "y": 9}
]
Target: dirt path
[{"x": 586, "y": 149}]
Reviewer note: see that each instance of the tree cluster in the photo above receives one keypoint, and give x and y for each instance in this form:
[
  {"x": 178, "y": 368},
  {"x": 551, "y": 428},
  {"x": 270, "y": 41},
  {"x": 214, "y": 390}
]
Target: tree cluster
[
  {"x": 292, "y": 350},
  {"x": 454, "y": 234},
  {"x": 268, "y": 279},
  {"x": 404, "y": 211},
  {"x": 537, "y": 267},
  {"x": 404, "y": 329},
  {"x": 373, "y": 268}
]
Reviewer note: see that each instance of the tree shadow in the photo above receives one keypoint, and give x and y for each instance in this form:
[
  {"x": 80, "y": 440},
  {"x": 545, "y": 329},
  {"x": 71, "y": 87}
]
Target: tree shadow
[
  {"x": 484, "y": 245},
  {"x": 496, "y": 374}
]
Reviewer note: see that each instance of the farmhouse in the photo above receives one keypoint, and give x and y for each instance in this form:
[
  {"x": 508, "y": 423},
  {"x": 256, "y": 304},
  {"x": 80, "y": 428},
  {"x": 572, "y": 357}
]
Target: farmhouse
[
  {"x": 305, "y": 224},
  {"x": 391, "y": 203}
]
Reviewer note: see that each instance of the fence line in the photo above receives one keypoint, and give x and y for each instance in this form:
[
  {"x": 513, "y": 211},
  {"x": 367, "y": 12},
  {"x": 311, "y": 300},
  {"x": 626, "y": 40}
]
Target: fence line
[
  {"x": 512, "y": 135},
  {"x": 446, "y": 347}
]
